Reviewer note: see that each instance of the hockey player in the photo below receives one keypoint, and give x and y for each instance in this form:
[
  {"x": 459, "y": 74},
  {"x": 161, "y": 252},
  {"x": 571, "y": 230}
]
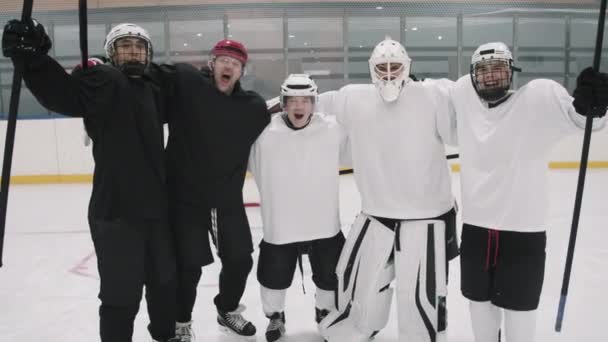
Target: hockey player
[
  {"x": 212, "y": 124},
  {"x": 504, "y": 138},
  {"x": 300, "y": 217},
  {"x": 128, "y": 207},
  {"x": 396, "y": 129}
]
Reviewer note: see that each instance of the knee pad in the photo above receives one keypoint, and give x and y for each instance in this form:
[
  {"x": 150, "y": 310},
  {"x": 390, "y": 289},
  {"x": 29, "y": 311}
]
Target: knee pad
[{"x": 420, "y": 265}]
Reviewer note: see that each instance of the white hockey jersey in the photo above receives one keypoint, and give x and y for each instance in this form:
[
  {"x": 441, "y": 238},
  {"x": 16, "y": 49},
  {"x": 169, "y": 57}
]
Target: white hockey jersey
[
  {"x": 397, "y": 148},
  {"x": 296, "y": 172},
  {"x": 504, "y": 151}
]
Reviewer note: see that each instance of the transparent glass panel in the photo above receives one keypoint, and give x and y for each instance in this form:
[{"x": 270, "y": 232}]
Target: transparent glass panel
[
  {"x": 66, "y": 40},
  {"x": 194, "y": 39},
  {"x": 430, "y": 32},
  {"x": 262, "y": 33},
  {"x": 28, "y": 105},
  {"x": 477, "y": 31},
  {"x": 306, "y": 33},
  {"x": 366, "y": 32},
  {"x": 316, "y": 48},
  {"x": 541, "y": 32}
]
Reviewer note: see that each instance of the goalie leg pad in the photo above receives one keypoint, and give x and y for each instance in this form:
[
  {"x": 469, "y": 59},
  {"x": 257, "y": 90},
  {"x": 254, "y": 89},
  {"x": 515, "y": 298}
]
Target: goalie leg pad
[
  {"x": 420, "y": 265},
  {"x": 364, "y": 272}
]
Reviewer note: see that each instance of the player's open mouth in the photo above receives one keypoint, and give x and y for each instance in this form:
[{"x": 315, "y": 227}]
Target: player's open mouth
[{"x": 299, "y": 116}]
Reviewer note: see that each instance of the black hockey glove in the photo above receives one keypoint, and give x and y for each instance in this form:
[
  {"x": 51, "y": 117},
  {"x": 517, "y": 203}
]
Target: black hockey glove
[
  {"x": 591, "y": 93},
  {"x": 25, "y": 39}
]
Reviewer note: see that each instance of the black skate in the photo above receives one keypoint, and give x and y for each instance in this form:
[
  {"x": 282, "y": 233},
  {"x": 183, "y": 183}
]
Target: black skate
[
  {"x": 276, "y": 327},
  {"x": 184, "y": 332},
  {"x": 234, "y": 324},
  {"x": 174, "y": 339},
  {"x": 320, "y": 314}
]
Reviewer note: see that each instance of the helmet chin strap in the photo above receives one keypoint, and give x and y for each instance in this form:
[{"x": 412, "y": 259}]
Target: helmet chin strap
[
  {"x": 493, "y": 95},
  {"x": 291, "y": 125}
]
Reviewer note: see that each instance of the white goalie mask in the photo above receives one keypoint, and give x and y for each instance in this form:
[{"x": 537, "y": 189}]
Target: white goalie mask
[
  {"x": 492, "y": 71},
  {"x": 389, "y": 66}
]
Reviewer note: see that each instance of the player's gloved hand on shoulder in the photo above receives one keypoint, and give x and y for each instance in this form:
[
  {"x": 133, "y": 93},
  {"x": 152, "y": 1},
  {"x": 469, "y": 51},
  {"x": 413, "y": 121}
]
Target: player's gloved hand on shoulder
[
  {"x": 591, "y": 93},
  {"x": 23, "y": 39},
  {"x": 92, "y": 62}
]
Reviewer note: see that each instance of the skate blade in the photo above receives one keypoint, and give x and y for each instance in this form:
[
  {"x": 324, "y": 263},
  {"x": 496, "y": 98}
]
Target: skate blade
[
  {"x": 236, "y": 336},
  {"x": 281, "y": 339}
]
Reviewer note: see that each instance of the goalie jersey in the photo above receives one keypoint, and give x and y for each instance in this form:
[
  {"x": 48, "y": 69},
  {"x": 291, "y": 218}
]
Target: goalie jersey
[{"x": 397, "y": 148}]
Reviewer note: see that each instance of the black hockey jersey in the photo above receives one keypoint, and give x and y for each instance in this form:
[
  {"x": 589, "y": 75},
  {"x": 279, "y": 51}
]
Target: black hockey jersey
[
  {"x": 122, "y": 115},
  {"x": 210, "y": 136}
]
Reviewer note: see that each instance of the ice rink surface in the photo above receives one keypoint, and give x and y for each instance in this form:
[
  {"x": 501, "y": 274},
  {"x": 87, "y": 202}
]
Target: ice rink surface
[{"x": 49, "y": 282}]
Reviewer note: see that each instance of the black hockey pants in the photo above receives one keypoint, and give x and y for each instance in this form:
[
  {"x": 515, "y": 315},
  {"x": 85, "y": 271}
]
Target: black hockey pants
[{"x": 129, "y": 256}]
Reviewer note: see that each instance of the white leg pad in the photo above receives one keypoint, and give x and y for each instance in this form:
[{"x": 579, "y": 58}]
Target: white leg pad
[
  {"x": 325, "y": 299},
  {"x": 364, "y": 276},
  {"x": 420, "y": 265}
]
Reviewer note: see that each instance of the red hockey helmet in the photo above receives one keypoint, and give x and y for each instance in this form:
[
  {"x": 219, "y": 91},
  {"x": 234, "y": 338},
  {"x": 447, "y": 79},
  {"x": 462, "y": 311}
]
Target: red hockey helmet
[{"x": 231, "y": 48}]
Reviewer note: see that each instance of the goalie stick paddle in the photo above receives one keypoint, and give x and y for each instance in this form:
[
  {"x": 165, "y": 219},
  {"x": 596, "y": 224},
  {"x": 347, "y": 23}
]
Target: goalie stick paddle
[
  {"x": 581, "y": 178},
  {"x": 349, "y": 171},
  {"x": 26, "y": 14},
  {"x": 82, "y": 26}
]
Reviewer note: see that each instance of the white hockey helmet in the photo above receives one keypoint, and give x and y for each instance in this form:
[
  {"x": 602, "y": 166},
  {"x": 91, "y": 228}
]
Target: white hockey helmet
[
  {"x": 389, "y": 52},
  {"x": 299, "y": 85},
  {"x": 492, "y": 71},
  {"x": 127, "y": 30}
]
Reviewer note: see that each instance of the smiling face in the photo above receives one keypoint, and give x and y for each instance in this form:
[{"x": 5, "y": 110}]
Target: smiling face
[
  {"x": 226, "y": 72},
  {"x": 299, "y": 109},
  {"x": 492, "y": 74}
]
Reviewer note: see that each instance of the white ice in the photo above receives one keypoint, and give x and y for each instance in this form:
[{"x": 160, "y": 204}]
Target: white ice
[{"x": 49, "y": 282}]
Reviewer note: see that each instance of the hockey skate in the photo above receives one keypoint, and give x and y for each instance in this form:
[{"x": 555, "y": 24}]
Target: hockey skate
[
  {"x": 276, "y": 327},
  {"x": 174, "y": 339},
  {"x": 184, "y": 332},
  {"x": 234, "y": 324},
  {"x": 320, "y": 314}
]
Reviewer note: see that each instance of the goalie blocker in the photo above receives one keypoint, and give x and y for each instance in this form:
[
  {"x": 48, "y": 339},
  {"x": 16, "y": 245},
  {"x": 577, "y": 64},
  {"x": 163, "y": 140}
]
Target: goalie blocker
[{"x": 413, "y": 252}]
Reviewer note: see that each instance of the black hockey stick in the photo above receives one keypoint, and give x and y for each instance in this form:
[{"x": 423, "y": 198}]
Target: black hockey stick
[
  {"x": 26, "y": 15},
  {"x": 581, "y": 177},
  {"x": 349, "y": 171},
  {"x": 82, "y": 26}
]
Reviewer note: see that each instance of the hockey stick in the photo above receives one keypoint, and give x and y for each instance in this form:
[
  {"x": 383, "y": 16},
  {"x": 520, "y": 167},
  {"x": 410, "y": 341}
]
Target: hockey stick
[
  {"x": 84, "y": 47},
  {"x": 82, "y": 26},
  {"x": 349, "y": 171},
  {"x": 26, "y": 15},
  {"x": 581, "y": 177}
]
